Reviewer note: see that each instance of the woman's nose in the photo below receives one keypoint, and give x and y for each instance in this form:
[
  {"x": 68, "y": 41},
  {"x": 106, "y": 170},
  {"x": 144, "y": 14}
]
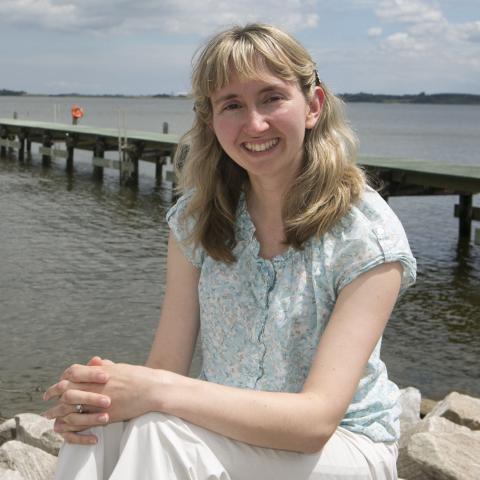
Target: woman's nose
[{"x": 255, "y": 122}]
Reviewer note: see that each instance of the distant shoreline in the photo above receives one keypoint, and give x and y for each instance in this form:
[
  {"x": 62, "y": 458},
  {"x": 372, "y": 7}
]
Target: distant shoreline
[{"x": 417, "y": 99}]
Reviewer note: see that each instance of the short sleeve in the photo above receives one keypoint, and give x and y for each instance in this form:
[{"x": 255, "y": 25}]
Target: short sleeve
[
  {"x": 181, "y": 227},
  {"x": 369, "y": 235}
]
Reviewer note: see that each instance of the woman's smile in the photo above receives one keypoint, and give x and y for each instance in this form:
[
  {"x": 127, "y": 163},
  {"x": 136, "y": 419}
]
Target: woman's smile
[{"x": 263, "y": 146}]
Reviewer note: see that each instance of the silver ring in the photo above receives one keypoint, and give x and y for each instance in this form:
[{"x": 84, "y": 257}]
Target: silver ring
[{"x": 79, "y": 408}]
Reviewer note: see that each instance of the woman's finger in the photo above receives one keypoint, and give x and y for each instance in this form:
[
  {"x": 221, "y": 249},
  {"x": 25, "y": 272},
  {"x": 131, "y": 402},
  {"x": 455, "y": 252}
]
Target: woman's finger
[
  {"x": 85, "y": 374},
  {"x": 99, "y": 361},
  {"x": 62, "y": 409},
  {"x": 58, "y": 411},
  {"x": 77, "y": 422},
  {"x": 88, "y": 399},
  {"x": 56, "y": 390}
]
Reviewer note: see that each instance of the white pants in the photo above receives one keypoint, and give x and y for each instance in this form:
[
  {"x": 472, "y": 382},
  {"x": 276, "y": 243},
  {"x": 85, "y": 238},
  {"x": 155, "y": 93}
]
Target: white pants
[{"x": 156, "y": 446}]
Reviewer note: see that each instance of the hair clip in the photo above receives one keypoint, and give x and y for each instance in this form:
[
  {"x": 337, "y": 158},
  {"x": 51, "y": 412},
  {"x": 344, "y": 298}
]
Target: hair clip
[{"x": 317, "y": 79}]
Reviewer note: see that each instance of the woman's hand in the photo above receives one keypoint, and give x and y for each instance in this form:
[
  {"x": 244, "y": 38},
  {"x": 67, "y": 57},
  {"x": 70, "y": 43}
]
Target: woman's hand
[
  {"x": 92, "y": 403},
  {"x": 129, "y": 391}
]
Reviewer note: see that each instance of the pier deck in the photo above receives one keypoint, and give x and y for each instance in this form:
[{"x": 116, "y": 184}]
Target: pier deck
[{"x": 399, "y": 177}]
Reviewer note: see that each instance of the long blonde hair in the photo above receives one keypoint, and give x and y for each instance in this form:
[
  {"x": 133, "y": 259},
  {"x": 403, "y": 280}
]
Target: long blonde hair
[{"x": 328, "y": 182}]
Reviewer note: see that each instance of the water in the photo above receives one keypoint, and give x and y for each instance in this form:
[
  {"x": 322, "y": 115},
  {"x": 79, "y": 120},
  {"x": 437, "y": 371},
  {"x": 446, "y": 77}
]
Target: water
[{"x": 82, "y": 264}]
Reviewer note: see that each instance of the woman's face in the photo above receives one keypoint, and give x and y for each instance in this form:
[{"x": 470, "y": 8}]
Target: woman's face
[{"x": 260, "y": 123}]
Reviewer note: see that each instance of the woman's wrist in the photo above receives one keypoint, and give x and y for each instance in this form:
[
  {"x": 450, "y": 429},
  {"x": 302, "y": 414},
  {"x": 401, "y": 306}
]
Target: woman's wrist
[{"x": 162, "y": 390}]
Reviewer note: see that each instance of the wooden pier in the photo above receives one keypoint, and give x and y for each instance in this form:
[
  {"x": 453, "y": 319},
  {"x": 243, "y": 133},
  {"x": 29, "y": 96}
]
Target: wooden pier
[
  {"x": 400, "y": 177},
  {"x": 60, "y": 141}
]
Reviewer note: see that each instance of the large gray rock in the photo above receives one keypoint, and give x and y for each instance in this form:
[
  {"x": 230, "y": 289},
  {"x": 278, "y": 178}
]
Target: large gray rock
[
  {"x": 7, "y": 431},
  {"x": 32, "y": 463},
  {"x": 410, "y": 401},
  {"x": 427, "y": 406},
  {"x": 8, "y": 474},
  {"x": 444, "y": 456},
  {"x": 458, "y": 408},
  {"x": 408, "y": 467},
  {"x": 38, "y": 431}
]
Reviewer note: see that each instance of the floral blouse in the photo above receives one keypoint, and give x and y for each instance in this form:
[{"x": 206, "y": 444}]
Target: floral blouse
[{"x": 261, "y": 320}]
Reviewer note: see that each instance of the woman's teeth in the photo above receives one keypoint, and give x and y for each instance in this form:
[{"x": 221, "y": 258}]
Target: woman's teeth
[{"x": 261, "y": 147}]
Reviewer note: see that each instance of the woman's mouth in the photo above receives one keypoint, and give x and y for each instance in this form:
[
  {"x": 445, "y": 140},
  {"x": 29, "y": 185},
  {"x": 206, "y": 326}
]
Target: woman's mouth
[{"x": 261, "y": 147}]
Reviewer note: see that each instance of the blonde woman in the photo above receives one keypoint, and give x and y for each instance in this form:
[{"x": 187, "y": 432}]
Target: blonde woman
[{"x": 288, "y": 265}]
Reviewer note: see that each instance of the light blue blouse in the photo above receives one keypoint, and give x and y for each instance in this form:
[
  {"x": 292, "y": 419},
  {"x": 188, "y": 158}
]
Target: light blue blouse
[{"x": 261, "y": 320}]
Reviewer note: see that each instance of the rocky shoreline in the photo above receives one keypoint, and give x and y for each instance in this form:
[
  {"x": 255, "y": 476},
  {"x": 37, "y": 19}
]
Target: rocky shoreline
[{"x": 439, "y": 441}]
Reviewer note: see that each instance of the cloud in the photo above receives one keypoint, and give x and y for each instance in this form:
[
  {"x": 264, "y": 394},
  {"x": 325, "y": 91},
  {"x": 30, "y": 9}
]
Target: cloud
[
  {"x": 424, "y": 29},
  {"x": 469, "y": 32},
  {"x": 374, "y": 32},
  {"x": 179, "y": 16},
  {"x": 408, "y": 11},
  {"x": 404, "y": 42}
]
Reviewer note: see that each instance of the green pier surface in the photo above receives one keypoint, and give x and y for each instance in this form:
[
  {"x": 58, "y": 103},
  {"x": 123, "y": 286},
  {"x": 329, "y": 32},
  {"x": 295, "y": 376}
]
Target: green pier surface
[
  {"x": 112, "y": 133},
  {"x": 458, "y": 178},
  {"x": 435, "y": 175}
]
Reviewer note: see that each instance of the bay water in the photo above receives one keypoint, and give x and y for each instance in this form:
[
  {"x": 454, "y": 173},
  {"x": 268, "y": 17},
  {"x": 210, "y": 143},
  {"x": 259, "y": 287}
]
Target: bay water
[{"x": 82, "y": 263}]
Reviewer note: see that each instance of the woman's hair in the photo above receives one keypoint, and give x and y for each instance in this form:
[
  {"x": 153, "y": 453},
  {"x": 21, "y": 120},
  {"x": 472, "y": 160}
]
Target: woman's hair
[{"x": 328, "y": 182}]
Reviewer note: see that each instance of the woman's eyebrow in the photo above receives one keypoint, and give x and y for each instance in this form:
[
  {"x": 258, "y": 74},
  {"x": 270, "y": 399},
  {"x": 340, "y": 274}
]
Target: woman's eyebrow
[
  {"x": 229, "y": 96},
  {"x": 224, "y": 98}
]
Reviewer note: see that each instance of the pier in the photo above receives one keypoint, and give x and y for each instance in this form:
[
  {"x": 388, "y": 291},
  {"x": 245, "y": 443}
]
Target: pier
[
  {"x": 399, "y": 177},
  {"x": 58, "y": 140}
]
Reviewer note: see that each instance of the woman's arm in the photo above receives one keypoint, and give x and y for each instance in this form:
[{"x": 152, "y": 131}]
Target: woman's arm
[
  {"x": 302, "y": 421},
  {"x": 177, "y": 331}
]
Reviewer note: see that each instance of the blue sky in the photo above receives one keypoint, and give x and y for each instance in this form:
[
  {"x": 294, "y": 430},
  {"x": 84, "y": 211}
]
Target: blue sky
[{"x": 145, "y": 46}]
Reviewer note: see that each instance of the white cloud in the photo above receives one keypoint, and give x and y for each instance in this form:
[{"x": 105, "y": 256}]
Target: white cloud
[
  {"x": 408, "y": 11},
  {"x": 424, "y": 30},
  {"x": 182, "y": 16},
  {"x": 404, "y": 42},
  {"x": 374, "y": 32},
  {"x": 469, "y": 31}
]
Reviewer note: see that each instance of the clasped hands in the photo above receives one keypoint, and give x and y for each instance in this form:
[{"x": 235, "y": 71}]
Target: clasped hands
[{"x": 108, "y": 392}]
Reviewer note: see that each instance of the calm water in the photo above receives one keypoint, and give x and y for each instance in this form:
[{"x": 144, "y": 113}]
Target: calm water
[{"x": 82, "y": 263}]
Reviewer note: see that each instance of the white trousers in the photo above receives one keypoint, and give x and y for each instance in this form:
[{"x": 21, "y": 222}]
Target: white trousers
[{"x": 156, "y": 446}]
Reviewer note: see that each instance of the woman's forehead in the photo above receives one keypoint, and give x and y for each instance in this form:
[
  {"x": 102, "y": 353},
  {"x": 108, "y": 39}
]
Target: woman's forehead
[{"x": 262, "y": 77}]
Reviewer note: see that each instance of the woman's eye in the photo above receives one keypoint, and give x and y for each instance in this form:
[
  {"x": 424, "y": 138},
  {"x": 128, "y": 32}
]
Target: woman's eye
[
  {"x": 231, "y": 106},
  {"x": 273, "y": 98}
]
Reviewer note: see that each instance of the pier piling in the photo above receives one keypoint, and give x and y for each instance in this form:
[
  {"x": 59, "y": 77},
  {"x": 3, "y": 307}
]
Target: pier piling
[
  {"x": 47, "y": 143},
  {"x": 21, "y": 151},
  {"x": 99, "y": 152},
  {"x": 70, "y": 142},
  {"x": 465, "y": 214},
  {"x": 4, "y": 137}
]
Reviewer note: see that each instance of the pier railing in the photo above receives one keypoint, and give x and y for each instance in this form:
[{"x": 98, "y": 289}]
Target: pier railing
[{"x": 399, "y": 177}]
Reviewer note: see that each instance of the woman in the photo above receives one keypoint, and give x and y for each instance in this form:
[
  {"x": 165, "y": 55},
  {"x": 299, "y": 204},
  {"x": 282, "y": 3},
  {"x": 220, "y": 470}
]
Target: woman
[{"x": 288, "y": 264}]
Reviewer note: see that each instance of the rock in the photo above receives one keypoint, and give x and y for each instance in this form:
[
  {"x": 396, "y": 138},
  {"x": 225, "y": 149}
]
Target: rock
[
  {"x": 458, "y": 408},
  {"x": 37, "y": 431},
  {"x": 406, "y": 466},
  {"x": 31, "y": 462},
  {"x": 427, "y": 406},
  {"x": 8, "y": 474},
  {"x": 7, "y": 431},
  {"x": 410, "y": 400},
  {"x": 444, "y": 456}
]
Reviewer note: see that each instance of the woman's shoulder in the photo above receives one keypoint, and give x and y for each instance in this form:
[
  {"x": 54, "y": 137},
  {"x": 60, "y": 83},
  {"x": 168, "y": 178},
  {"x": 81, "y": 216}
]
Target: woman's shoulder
[
  {"x": 369, "y": 234},
  {"x": 181, "y": 225},
  {"x": 178, "y": 209},
  {"x": 371, "y": 214}
]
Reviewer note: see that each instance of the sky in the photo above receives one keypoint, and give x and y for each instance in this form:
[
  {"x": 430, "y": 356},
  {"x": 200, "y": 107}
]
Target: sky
[{"x": 143, "y": 47}]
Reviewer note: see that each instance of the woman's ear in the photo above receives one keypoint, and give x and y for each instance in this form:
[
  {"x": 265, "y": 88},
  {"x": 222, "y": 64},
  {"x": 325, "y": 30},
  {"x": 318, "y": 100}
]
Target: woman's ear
[{"x": 315, "y": 106}]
